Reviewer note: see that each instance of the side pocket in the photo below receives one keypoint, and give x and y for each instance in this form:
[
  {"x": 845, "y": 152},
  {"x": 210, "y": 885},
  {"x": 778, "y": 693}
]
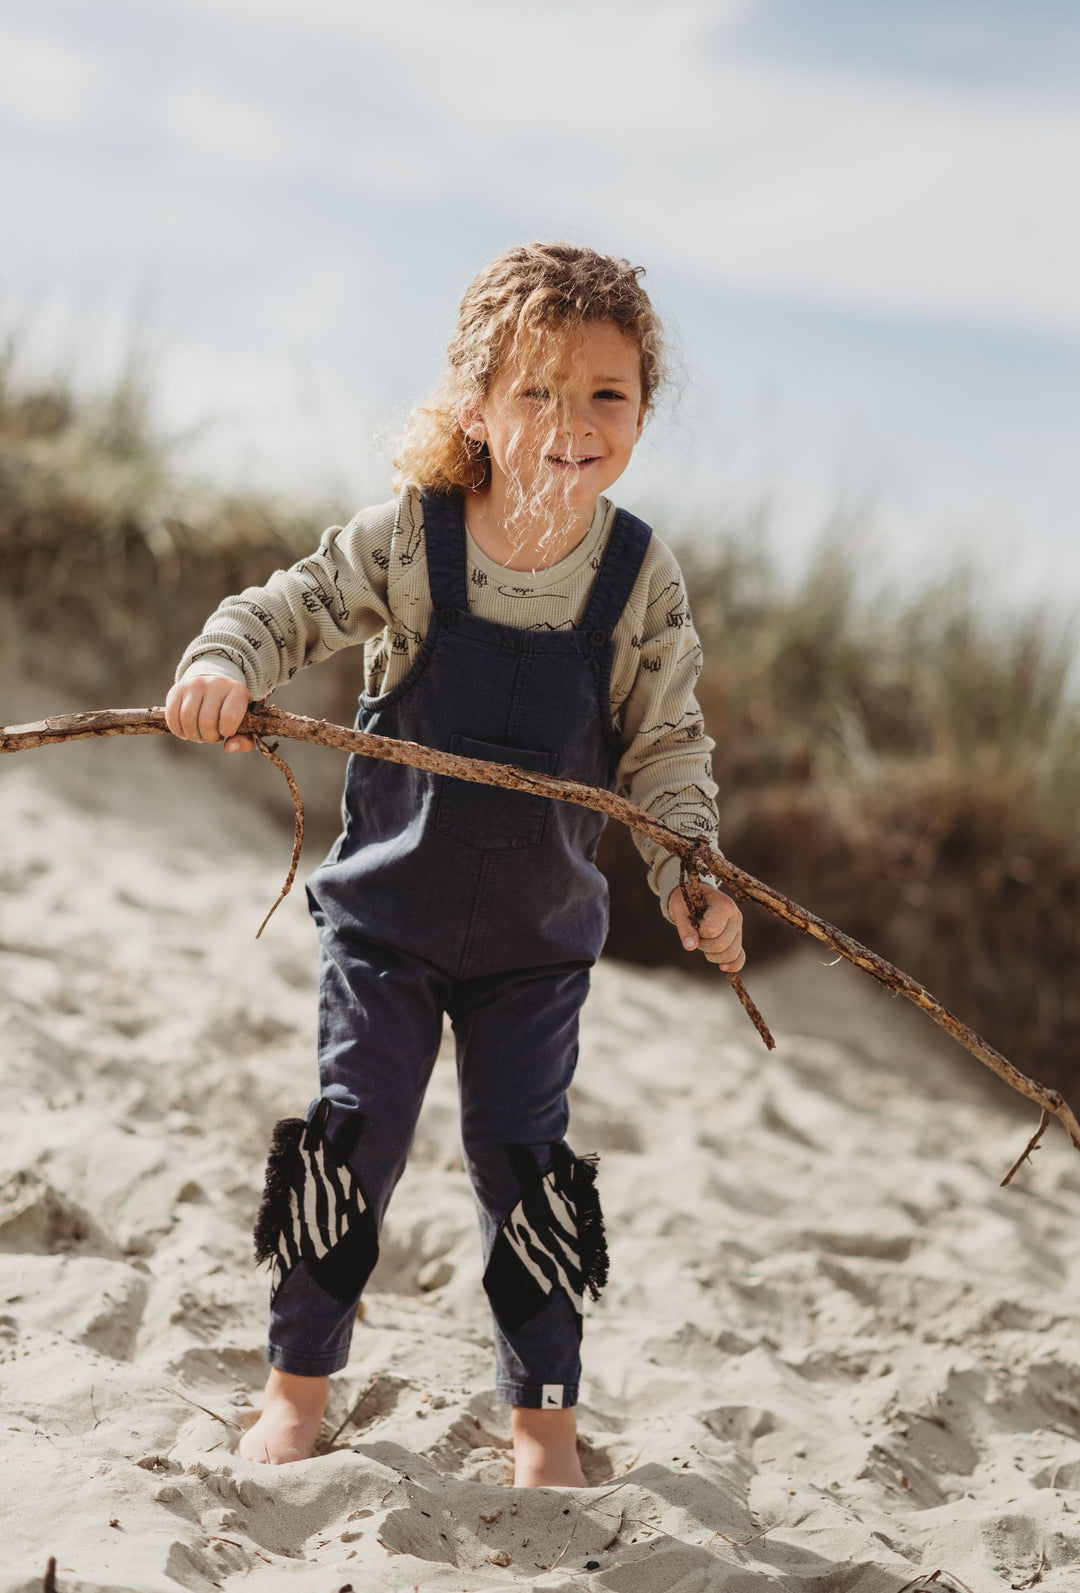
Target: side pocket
[
  {"x": 486, "y": 816},
  {"x": 314, "y": 1210}
]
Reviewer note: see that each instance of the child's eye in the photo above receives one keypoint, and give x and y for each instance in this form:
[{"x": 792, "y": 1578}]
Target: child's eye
[
  {"x": 609, "y": 393},
  {"x": 538, "y": 394}
]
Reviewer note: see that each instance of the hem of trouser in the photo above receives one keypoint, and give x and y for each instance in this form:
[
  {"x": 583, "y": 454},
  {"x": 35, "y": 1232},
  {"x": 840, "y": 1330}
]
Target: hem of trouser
[
  {"x": 531, "y": 1395},
  {"x": 305, "y": 1365}
]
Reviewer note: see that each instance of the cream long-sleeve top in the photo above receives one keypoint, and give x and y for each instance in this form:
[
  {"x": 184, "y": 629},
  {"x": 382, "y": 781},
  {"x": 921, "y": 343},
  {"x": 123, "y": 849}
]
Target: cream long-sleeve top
[{"x": 367, "y": 583}]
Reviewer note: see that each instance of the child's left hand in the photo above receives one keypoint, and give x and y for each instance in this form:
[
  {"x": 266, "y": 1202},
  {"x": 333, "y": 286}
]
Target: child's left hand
[{"x": 720, "y": 932}]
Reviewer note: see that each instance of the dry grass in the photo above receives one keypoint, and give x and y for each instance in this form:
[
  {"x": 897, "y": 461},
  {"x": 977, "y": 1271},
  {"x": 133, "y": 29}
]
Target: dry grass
[
  {"x": 103, "y": 547},
  {"x": 908, "y": 768}
]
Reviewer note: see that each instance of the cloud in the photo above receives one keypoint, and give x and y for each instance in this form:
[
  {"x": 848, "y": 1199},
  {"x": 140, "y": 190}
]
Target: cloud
[
  {"x": 222, "y": 127},
  {"x": 306, "y": 185},
  {"x": 1035, "y": 46},
  {"x": 830, "y": 184},
  {"x": 884, "y": 199},
  {"x": 46, "y": 83},
  {"x": 695, "y": 135}
]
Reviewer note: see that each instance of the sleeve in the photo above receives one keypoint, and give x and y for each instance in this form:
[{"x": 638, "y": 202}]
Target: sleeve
[
  {"x": 666, "y": 768},
  {"x": 334, "y": 598}
]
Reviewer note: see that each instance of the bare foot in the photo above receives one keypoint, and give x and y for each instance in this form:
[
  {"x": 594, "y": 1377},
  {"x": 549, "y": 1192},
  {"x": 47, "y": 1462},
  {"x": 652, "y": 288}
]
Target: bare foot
[
  {"x": 290, "y": 1419},
  {"x": 545, "y": 1449}
]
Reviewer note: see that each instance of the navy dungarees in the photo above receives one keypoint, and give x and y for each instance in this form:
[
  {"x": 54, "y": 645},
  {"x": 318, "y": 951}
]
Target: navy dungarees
[{"x": 444, "y": 896}]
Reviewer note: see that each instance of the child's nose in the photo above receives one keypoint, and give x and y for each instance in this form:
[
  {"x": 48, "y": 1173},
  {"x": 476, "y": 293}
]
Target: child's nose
[{"x": 580, "y": 421}]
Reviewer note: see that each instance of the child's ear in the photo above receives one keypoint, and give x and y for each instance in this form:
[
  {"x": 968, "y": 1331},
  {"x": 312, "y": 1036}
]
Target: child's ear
[
  {"x": 472, "y": 423},
  {"x": 641, "y": 414}
]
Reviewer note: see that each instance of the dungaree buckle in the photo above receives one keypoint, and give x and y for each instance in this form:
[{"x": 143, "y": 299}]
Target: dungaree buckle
[{"x": 598, "y": 638}]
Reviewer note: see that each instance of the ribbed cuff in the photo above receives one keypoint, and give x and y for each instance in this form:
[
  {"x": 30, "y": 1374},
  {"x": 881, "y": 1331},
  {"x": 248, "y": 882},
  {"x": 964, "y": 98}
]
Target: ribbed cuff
[
  {"x": 667, "y": 878},
  {"x": 214, "y": 664}
]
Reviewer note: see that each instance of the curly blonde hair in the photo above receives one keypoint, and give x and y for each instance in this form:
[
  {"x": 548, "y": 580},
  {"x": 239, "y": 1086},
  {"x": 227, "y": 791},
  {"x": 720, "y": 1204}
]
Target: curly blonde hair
[{"x": 524, "y": 303}]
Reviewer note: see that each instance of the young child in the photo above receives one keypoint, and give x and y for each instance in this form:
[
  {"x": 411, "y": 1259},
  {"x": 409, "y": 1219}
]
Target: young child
[{"x": 508, "y": 612}]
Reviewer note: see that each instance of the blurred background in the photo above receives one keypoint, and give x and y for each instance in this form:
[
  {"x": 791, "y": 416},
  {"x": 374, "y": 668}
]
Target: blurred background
[{"x": 233, "y": 242}]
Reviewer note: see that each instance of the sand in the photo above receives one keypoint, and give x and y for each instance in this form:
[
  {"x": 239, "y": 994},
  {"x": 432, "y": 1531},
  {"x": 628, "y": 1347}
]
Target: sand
[{"x": 834, "y": 1357}]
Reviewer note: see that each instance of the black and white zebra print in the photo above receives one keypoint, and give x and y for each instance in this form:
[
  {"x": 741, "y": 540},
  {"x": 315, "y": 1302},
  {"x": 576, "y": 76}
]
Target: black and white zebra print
[
  {"x": 314, "y": 1210},
  {"x": 552, "y": 1239}
]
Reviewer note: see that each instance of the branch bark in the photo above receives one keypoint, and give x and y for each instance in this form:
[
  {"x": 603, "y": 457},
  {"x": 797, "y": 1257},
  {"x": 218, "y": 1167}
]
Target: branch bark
[{"x": 696, "y": 855}]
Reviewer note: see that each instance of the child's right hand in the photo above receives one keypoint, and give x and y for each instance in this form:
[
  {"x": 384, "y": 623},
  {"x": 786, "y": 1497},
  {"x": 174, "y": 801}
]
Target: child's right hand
[{"x": 209, "y": 708}]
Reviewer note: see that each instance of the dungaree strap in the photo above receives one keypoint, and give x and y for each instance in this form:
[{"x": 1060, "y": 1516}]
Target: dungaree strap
[
  {"x": 444, "y": 539},
  {"x": 619, "y": 569}
]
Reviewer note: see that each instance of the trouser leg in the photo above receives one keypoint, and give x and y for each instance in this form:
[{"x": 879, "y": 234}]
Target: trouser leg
[
  {"x": 517, "y": 1039},
  {"x": 380, "y": 1022}
]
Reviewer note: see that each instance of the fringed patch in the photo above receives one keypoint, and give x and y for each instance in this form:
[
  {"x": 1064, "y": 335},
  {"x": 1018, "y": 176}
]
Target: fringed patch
[
  {"x": 553, "y": 1239},
  {"x": 314, "y": 1210},
  {"x": 592, "y": 1240},
  {"x": 282, "y": 1166}
]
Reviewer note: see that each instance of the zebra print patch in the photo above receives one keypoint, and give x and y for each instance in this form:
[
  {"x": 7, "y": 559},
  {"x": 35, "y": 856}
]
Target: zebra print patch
[
  {"x": 314, "y": 1210},
  {"x": 553, "y": 1239}
]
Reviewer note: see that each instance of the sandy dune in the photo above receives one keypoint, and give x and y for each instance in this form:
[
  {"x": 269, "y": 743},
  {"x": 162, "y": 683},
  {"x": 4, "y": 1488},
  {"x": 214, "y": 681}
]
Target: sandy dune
[{"x": 834, "y": 1357}]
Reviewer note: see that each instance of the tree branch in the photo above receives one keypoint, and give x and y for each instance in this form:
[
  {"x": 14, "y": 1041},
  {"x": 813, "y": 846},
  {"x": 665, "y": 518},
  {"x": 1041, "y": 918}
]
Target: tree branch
[
  {"x": 270, "y": 754},
  {"x": 696, "y": 855}
]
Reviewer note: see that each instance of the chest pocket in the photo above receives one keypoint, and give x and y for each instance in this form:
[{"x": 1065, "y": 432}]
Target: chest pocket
[{"x": 485, "y": 816}]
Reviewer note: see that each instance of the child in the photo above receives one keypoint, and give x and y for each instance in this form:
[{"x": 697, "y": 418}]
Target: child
[{"x": 508, "y": 612}]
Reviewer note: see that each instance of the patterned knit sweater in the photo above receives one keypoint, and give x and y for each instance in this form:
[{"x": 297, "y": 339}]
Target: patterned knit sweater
[{"x": 367, "y": 583}]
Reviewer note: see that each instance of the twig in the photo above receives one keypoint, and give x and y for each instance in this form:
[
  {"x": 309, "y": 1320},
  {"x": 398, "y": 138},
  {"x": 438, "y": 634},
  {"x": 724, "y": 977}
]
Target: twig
[
  {"x": 697, "y": 856},
  {"x": 566, "y": 1545},
  {"x": 617, "y": 1534},
  {"x": 225, "y": 1422},
  {"x": 627, "y": 1469},
  {"x": 616, "y": 1489},
  {"x": 298, "y": 833},
  {"x": 1035, "y": 1576},
  {"x": 744, "y": 1543},
  {"x": 741, "y": 1543},
  {"x": 1032, "y": 1145},
  {"x": 924, "y": 1581},
  {"x": 750, "y": 1007},
  {"x": 351, "y": 1416},
  {"x": 48, "y": 1581}
]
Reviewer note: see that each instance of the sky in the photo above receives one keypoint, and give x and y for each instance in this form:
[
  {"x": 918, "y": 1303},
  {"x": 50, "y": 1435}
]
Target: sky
[{"x": 860, "y": 220}]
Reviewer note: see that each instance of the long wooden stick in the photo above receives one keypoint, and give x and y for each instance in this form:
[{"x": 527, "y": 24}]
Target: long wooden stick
[{"x": 697, "y": 856}]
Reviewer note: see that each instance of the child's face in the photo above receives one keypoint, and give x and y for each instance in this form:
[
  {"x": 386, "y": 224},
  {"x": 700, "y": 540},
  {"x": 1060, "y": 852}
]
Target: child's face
[{"x": 574, "y": 449}]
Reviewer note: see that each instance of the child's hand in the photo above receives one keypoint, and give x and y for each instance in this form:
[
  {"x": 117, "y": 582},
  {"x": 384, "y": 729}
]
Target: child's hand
[
  {"x": 209, "y": 708},
  {"x": 720, "y": 933}
]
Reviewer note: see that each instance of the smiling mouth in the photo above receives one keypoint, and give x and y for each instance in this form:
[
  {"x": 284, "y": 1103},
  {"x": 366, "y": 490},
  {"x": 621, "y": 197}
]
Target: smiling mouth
[{"x": 562, "y": 459}]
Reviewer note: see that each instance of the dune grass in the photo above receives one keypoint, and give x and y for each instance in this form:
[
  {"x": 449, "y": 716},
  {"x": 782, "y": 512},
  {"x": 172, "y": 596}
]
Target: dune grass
[
  {"x": 909, "y": 768},
  {"x": 108, "y": 560},
  {"x": 906, "y": 766}
]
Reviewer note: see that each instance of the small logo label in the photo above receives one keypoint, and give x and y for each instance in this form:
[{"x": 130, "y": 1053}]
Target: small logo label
[{"x": 551, "y": 1396}]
